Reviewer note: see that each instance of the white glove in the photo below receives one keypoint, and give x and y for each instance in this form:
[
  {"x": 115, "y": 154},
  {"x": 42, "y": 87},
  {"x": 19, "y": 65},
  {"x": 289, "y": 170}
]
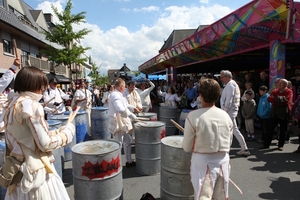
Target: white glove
[
  {"x": 69, "y": 130},
  {"x": 132, "y": 116}
]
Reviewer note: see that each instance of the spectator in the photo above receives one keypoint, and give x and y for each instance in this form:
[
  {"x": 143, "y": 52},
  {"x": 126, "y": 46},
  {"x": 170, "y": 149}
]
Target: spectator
[
  {"x": 280, "y": 99},
  {"x": 230, "y": 102},
  {"x": 263, "y": 112},
  {"x": 249, "y": 114}
]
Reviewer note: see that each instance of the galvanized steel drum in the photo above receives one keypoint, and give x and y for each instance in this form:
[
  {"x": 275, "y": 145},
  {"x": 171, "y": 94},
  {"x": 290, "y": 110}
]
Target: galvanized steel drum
[
  {"x": 175, "y": 179},
  {"x": 148, "y": 147},
  {"x": 99, "y": 123},
  {"x": 58, "y": 153},
  {"x": 81, "y": 125},
  {"x": 165, "y": 114},
  {"x": 184, "y": 113},
  {"x": 148, "y": 115},
  {"x": 67, "y": 148},
  {"x": 97, "y": 170}
]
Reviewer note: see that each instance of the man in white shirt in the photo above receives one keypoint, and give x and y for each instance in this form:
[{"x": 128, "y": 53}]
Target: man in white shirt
[
  {"x": 56, "y": 105},
  {"x": 230, "y": 101},
  {"x": 145, "y": 94},
  {"x": 120, "y": 113},
  {"x": 133, "y": 97}
]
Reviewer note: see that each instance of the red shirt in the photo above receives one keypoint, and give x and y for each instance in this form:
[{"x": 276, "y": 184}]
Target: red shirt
[{"x": 283, "y": 98}]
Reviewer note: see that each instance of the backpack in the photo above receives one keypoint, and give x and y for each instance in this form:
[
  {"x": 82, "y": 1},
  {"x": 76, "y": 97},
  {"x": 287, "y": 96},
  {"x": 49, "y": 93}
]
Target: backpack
[{"x": 147, "y": 196}]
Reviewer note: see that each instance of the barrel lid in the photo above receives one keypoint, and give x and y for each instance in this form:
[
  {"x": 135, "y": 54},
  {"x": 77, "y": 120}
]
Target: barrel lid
[
  {"x": 59, "y": 117},
  {"x": 96, "y": 147},
  {"x": 78, "y": 113},
  {"x": 53, "y": 122},
  {"x": 99, "y": 108},
  {"x": 149, "y": 114},
  {"x": 150, "y": 124},
  {"x": 173, "y": 141},
  {"x": 2, "y": 145}
]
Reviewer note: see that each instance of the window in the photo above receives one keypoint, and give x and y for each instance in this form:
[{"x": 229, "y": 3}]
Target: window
[
  {"x": 24, "y": 58},
  {"x": 7, "y": 46},
  {"x": 1, "y": 3}
]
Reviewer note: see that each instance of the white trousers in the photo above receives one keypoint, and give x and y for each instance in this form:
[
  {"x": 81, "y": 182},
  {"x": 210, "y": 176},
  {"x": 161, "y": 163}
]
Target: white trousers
[
  {"x": 236, "y": 132},
  {"x": 125, "y": 139},
  {"x": 206, "y": 168}
]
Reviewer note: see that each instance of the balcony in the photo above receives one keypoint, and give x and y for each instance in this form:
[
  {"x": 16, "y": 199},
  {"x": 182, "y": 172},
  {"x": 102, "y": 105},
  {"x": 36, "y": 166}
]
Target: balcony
[{"x": 46, "y": 66}]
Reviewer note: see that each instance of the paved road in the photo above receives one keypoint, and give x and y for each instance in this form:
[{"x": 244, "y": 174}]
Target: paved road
[{"x": 265, "y": 174}]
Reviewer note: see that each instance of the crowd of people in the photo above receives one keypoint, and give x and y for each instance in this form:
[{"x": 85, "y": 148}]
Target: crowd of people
[{"x": 226, "y": 105}]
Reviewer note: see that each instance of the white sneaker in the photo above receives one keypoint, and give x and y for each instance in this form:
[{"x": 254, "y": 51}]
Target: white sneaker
[{"x": 243, "y": 152}]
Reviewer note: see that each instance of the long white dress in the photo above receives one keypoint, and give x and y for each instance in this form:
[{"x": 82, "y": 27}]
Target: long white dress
[{"x": 29, "y": 140}]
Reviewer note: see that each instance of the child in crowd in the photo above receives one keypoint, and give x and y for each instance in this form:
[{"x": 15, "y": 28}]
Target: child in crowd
[
  {"x": 248, "y": 86},
  {"x": 249, "y": 114},
  {"x": 263, "y": 111}
]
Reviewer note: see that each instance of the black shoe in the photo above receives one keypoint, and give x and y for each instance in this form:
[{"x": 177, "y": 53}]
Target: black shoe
[{"x": 132, "y": 164}]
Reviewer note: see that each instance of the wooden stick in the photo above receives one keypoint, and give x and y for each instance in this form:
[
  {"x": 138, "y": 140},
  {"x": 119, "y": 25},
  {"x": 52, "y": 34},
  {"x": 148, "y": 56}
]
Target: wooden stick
[
  {"x": 15, "y": 48},
  {"x": 177, "y": 125},
  {"x": 49, "y": 100},
  {"x": 137, "y": 120},
  {"x": 73, "y": 114},
  {"x": 16, "y": 51},
  {"x": 143, "y": 119}
]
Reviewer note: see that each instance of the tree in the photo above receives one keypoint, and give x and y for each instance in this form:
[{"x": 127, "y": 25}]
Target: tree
[
  {"x": 97, "y": 79},
  {"x": 64, "y": 35}
]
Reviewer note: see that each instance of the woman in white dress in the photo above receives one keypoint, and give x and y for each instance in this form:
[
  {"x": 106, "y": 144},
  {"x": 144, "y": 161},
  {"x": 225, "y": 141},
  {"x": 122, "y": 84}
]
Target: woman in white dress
[
  {"x": 170, "y": 96},
  {"x": 29, "y": 140},
  {"x": 106, "y": 95}
]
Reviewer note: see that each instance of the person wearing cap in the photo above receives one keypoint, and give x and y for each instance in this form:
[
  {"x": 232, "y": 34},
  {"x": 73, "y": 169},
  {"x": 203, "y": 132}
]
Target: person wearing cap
[
  {"x": 145, "y": 94},
  {"x": 56, "y": 105}
]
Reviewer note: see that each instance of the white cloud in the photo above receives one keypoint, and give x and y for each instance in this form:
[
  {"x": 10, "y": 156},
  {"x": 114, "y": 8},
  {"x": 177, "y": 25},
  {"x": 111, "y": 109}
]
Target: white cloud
[
  {"x": 146, "y": 9},
  {"x": 204, "y": 1},
  {"x": 116, "y": 46}
]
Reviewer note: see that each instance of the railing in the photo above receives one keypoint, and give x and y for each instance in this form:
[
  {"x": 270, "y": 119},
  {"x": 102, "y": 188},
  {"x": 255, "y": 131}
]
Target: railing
[{"x": 46, "y": 66}]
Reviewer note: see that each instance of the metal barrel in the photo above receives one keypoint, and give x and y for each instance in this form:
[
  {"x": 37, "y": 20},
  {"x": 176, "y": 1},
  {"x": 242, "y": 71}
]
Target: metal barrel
[
  {"x": 67, "y": 148},
  {"x": 148, "y": 147},
  {"x": 165, "y": 114},
  {"x": 57, "y": 153},
  {"x": 2, "y": 155},
  {"x": 97, "y": 170},
  {"x": 182, "y": 117},
  {"x": 81, "y": 125},
  {"x": 175, "y": 179},
  {"x": 99, "y": 123},
  {"x": 148, "y": 115}
]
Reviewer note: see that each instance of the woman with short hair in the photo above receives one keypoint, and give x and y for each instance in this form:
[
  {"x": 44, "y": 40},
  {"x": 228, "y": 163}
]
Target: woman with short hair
[{"x": 208, "y": 134}]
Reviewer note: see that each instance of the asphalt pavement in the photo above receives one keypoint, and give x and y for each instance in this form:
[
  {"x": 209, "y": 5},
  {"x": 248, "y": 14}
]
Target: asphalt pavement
[{"x": 265, "y": 174}]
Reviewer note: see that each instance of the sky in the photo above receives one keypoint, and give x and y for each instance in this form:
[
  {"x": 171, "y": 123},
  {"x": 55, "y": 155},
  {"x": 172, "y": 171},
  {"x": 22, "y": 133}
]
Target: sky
[{"x": 133, "y": 31}]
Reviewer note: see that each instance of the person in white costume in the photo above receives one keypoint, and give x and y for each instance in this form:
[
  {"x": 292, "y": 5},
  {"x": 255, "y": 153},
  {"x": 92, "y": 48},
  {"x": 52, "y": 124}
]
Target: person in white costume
[
  {"x": 133, "y": 97},
  {"x": 106, "y": 95},
  {"x": 170, "y": 96},
  {"x": 208, "y": 134},
  {"x": 230, "y": 102},
  {"x": 29, "y": 140},
  {"x": 8, "y": 76},
  {"x": 145, "y": 94},
  {"x": 55, "y": 106},
  {"x": 120, "y": 113},
  {"x": 83, "y": 98}
]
